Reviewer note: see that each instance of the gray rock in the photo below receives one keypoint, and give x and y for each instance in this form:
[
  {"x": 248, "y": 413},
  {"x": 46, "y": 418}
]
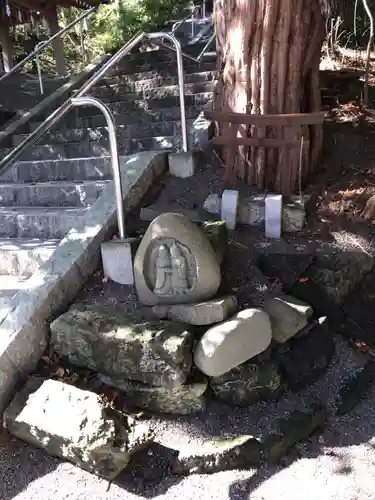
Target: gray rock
[
  {"x": 248, "y": 383},
  {"x": 202, "y": 313},
  {"x": 294, "y": 216},
  {"x": 175, "y": 263},
  {"x": 182, "y": 400},
  {"x": 114, "y": 343},
  {"x": 338, "y": 274},
  {"x": 288, "y": 316},
  {"x": 252, "y": 210},
  {"x": 241, "y": 452},
  {"x": 233, "y": 342},
  {"x": 212, "y": 204},
  {"x": 75, "y": 425}
]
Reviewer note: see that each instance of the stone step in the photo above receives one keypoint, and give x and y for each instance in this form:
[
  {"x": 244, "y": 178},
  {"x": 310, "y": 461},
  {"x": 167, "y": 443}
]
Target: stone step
[
  {"x": 118, "y": 92},
  {"x": 123, "y": 133},
  {"x": 119, "y": 75},
  {"x": 163, "y": 67},
  {"x": 141, "y": 81},
  {"x": 73, "y": 150},
  {"x": 22, "y": 257},
  {"x": 43, "y": 223},
  {"x": 51, "y": 194},
  {"x": 75, "y": 120},
  {"x": 72, "y": 170}
]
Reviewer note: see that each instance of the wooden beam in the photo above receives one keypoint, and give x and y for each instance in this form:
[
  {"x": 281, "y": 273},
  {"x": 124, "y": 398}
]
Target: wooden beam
[
  {"x": 259, "y": 142},
  {"x": 290, "y": 120}
]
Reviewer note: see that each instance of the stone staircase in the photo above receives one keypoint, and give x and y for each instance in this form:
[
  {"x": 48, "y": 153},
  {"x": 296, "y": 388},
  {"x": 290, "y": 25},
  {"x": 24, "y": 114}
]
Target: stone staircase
[{"x": 53, "y": 185}]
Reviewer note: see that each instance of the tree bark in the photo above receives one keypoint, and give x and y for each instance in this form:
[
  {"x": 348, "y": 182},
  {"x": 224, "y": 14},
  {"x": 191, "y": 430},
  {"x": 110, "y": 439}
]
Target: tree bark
[{"x": 268, "y": 57}]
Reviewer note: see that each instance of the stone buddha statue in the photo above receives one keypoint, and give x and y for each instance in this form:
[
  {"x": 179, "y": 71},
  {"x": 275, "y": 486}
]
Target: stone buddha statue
[{"x": 171, "y": 271}]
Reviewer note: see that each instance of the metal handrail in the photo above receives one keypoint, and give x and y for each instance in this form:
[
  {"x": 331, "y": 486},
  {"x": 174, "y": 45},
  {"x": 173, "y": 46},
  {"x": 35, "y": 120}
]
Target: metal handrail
[
  {"x": 60, "y": 112},
  {"x": 42, "y": 45},
  {"x": 92, "y": 101}
]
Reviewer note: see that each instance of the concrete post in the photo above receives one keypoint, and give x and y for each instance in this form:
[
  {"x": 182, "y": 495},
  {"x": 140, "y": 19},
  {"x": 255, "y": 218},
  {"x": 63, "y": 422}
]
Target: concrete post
[
  {"x": 6, "y": 47},
  {"x": 50, "y": 15}
]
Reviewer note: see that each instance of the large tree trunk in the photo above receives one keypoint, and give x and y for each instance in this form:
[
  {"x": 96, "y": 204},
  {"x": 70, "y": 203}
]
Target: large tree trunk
[{"x": 268, "y": 56}]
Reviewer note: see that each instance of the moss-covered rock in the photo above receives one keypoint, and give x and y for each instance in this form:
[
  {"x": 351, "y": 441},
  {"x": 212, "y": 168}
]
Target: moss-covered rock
[{"x": 157, "y": 353}]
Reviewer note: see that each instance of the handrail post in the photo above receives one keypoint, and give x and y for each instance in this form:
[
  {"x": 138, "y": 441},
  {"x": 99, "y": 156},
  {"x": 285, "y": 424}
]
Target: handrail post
[
  {"x": 180, "y": 70},
  {"x": 92, "y": 101}
]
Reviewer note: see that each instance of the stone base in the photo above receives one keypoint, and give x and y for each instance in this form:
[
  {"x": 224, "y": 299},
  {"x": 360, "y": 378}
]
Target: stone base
[
  {"x": 182, "y": 164},
  {"x": 117, "y": 258}
]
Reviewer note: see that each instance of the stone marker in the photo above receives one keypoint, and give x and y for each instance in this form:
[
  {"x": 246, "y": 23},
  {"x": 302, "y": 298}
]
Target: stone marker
[
  {"x": 229, "y": 344},
  {"x": 202, "y": 313},
  {"x": 288, "y": 316},
  {"x": 251, "y": 211},
  {"x": 248, "y": 383},
  {"x": 114, "y": 343},
  {"x": 274, "y": 208},
  {"x": 229, "y": 207},
  {"x": 175, "y": 263},
  {"x": 242, "y": 452},
  {"x": 182, "y": 400},
  {"x": 73, "y": 424},
  {"x": 181, "y": 164}
]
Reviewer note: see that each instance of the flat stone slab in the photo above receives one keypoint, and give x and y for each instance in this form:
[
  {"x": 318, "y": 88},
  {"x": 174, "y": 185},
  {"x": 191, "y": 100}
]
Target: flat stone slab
[
  {"x": 183, "y": 400},
  {"x": 240, "y": 452},
  {"x": 202, "y": 313},
  {"x": 157, "y": 353},
  {"x": 75, "y": 425},
  {"x": 231, "y": 343}
]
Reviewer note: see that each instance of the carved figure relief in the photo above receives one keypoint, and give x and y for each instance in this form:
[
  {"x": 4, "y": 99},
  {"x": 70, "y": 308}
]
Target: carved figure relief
[{"x": 171, "y": 269}]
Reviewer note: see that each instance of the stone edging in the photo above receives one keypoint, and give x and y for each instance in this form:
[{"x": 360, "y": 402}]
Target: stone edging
[{"x": 24, "y": 330}]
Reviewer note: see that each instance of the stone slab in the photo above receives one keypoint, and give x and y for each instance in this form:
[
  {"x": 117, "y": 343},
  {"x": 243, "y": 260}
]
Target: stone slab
[
  {"x": 241, "y": 452},
  {"x": 24, "y": 332},
  {"x": 201, "y": 313},
  {"x": 229, "y": 207},
  {"x": 91, "y": 435}
]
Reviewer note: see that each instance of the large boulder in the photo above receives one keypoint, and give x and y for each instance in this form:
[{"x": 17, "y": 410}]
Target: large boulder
[
  {"x": 175, "y": 263},
  {"x": 248, "y": 383},
  {"x": 182, "y": 400},
  {"x": 157, "y": 353},
  {"x": 75, "y": 425},
  {"x": 233, "y": 342}
]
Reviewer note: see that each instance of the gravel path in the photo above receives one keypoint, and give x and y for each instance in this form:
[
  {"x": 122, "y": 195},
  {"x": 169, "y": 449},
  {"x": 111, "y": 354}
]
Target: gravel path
[{"x": 339, "y": 464}]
